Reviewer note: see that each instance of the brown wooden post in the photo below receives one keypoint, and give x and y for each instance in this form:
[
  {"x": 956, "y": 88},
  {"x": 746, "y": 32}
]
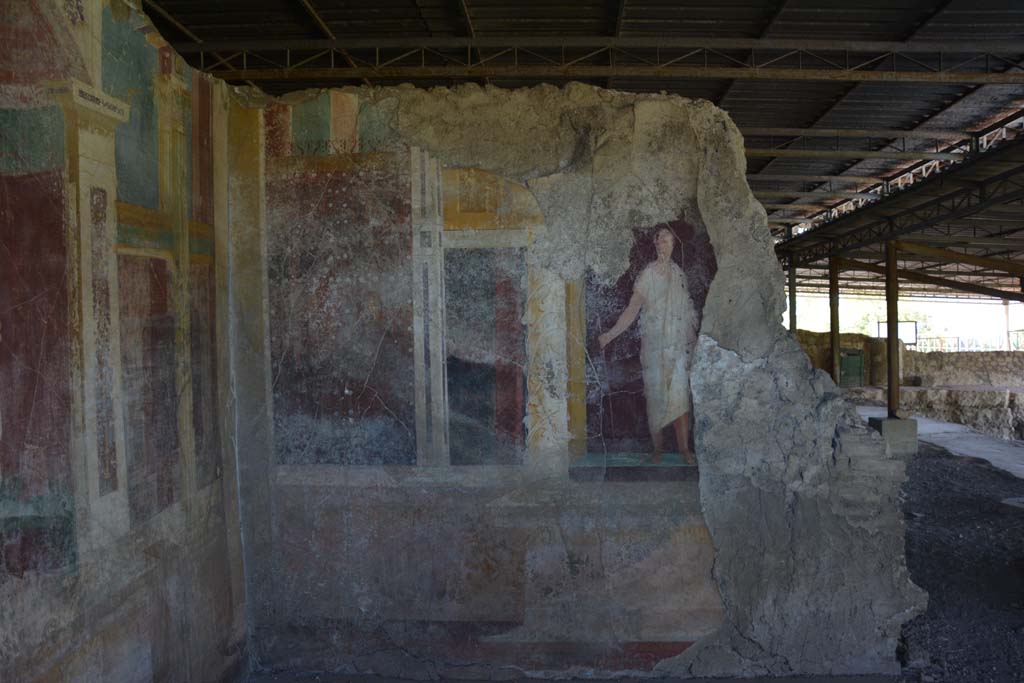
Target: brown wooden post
[
  {"x": 892, "y": 342},
  {"x": 833, "y": 307}
]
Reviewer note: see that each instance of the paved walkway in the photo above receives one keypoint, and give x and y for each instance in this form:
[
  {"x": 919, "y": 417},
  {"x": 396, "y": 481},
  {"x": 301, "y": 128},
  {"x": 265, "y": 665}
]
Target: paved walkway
[{"x": 964, "y": 441}]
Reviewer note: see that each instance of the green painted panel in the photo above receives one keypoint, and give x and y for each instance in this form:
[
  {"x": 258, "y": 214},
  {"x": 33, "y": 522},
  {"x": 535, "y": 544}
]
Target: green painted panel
[
  {"x": 377, "y": 126},
  {"x": 200, "y": 245},
  {"x": 311, "y": 121},
  {"x": 31, "y": 140},
  {"x": 129, "y": 65},
  {"x": 144, "y": 238}
]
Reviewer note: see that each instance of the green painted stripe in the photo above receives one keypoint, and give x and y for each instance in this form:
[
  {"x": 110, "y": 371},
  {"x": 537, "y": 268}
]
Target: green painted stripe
[{"x": 144, "y": 238}]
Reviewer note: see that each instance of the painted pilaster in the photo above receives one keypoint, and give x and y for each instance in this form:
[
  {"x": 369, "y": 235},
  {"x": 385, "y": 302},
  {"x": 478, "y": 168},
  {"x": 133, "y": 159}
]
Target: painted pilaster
[
  {"x": 576, "y": 357},
  {"x": 547, "y": 374},
  {"x": 249, "y": 340},
  {"x": 173, "y": 104},
  {"x": 91, "y": 118},
  {"x": 225, "y": 397}
]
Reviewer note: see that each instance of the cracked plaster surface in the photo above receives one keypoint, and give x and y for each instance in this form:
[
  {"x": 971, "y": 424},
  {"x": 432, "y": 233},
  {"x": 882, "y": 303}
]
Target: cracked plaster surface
[{"x": 800, "y": 501}]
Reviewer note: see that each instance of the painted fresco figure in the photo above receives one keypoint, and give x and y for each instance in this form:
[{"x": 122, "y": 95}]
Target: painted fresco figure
[{"x": 667, "y": 330}]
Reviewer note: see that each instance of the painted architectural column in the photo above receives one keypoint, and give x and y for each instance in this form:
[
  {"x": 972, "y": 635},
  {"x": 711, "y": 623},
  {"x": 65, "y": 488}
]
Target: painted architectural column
[
  {"x": 91, "y": 118},
  {"x": 173, "y": 103},
  {"x": 576, "y": 356},
  {"x": 546, "y": 374}
]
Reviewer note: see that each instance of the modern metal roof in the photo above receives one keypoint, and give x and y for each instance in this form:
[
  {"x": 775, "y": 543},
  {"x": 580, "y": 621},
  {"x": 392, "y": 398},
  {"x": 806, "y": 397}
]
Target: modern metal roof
[{"x": 840, "y": 101}]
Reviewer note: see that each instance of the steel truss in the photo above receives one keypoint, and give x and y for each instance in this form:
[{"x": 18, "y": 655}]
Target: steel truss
[
  {"x": 613, "y": 57},
  {"x": 964, "y": 201}
]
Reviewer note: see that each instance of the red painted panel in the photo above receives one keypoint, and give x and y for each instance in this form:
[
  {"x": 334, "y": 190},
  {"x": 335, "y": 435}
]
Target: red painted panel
[
  {"x": 278, "y": 124},
  {"x": 106, "y": 446},
  {"x": 148, "y": 383},
  {"x": 35, "y": 47},
  {"x": 510, "y": 345},
  {"x": 35, "y": 400},
  {"x": 204, "y": 372},
  {"x": 202, "y": 149}
]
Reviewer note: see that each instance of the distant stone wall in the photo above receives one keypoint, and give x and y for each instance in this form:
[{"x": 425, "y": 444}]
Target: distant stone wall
[
  {"x": 1004, "y": 369},
  {"x": 817, "y": 346},
  {"x": 968, "y": 368},
  {"x": 996, "y": 412}
]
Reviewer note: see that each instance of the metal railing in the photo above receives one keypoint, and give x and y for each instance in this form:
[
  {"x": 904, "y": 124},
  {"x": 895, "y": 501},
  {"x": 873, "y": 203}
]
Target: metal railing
[{"x": 961, "y": 344}]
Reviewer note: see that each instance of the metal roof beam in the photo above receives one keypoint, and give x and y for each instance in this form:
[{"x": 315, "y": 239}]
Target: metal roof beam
[
  {"x": 851, "y": 154},
  {"x": 860, "y": 48},
  {"x": 873, "y": 133},
  {"x": 315, "y": 16},
  {"x": 815, "y": 244},
  {"x": 787, "y": 178},
  {"x": 792, "y": 207},
  {"x": 836, "y": 194},
  {"x": 641, "y": 71},
  {"x": 326, "y": 30},
  {"x": 1002, "y": 265},
  {"x": 221, "y": 59},
  {"x": 464, "y": 8},
  {"x": 945, "y": 283}
]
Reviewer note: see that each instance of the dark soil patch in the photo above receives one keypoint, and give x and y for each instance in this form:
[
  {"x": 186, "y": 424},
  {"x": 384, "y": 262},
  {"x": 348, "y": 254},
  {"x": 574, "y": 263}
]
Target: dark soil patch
[{"x": 967, "y": 551}]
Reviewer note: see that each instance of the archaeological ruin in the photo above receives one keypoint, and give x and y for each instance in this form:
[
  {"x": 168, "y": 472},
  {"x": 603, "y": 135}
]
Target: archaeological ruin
[{"x": 469, "y": 381}]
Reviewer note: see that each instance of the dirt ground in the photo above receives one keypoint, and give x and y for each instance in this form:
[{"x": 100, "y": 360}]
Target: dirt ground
[{"x": 967, "y": 551}]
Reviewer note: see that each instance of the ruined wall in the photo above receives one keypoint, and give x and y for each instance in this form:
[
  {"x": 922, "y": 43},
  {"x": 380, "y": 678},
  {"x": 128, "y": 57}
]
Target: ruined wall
[
  {"x": 997, "y": 412},
  {"x": 964, "y": 369},
  {"x": 388, "y": 309},
  {"x": 818, "y": 347},
  {"x": 119, "y": 541},
  {"x": 932, "y": 369},
  {"x": 422, "y": 270}
]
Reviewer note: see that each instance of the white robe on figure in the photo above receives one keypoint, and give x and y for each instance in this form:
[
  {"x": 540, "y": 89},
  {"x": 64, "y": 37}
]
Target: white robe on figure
[{"x": 668, "y": 326}]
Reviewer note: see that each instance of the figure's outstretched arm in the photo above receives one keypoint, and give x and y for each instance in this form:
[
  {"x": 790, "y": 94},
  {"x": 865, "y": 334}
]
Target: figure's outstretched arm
[{"x": 629, "y": 314}]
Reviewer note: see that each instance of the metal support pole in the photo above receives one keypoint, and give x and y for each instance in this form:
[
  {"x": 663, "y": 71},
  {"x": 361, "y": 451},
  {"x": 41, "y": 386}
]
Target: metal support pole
[
  {"x": 792, "y": 299},
  {"x": 833, "y": 307},
  {"x": 892, "y": 342},
  {"x": 792, "y": 287}
]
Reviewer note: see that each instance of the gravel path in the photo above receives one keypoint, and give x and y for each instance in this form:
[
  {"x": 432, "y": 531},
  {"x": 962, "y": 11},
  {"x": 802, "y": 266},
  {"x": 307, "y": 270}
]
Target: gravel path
[{"x": 967, "y": 550}]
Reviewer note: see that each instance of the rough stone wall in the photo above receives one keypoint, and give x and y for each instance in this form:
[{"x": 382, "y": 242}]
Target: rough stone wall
[
  {"x": 964, "y": 369},
  {"x": 1003, "y": 369},
  {"x": 799, "y": 499},
  {"x": 997, "y": 412},
  {"x": 119, "y": 541},
  {"x": 818, "y": 347}
]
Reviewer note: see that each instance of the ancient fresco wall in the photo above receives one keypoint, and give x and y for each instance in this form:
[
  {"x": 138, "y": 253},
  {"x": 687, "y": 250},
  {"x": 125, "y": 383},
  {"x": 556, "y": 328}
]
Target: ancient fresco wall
[
  {"x": 380, "y": 313},
  {"x": 118, "y": 530},
  {"x": 340, "y": 273},
  {"x": 430, "y": 290},
  {"x": 412, "y": 339}
]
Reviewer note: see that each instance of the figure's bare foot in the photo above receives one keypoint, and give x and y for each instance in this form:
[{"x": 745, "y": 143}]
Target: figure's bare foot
[
  {"x": 656, "y": 457},
  {"x": 689, "y": 458}
]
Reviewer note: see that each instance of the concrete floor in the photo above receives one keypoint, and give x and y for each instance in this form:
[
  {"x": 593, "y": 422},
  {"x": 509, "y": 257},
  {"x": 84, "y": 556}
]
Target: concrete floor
[{"x": 963, "y": 441}]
